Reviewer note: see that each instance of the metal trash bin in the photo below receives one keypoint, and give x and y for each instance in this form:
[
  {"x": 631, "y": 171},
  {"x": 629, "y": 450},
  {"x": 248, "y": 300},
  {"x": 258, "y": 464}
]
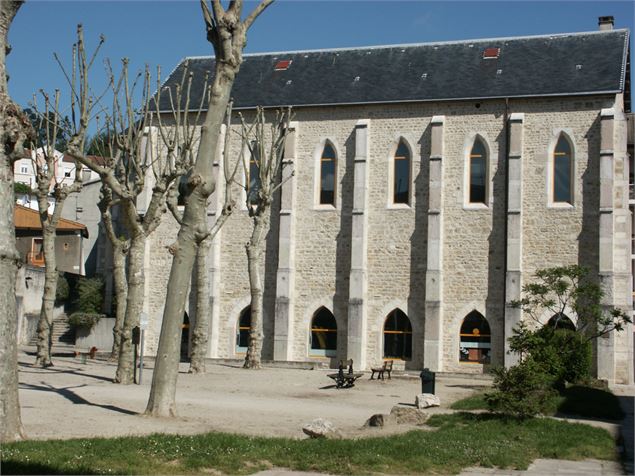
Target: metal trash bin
[{"x": 427, "y": 381}]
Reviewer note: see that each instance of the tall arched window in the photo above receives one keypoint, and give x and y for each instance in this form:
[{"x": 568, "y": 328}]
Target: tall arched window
[
  {"x": 561, "y": 321},
  {"x": 253, "y": 180},
  {"x": 323, "y": 333},
  {"x": 478, "y": 173},
  {"x": 328, "y": 171},
  {"x": 562, "y": 171},
  {"x": 401, "y": 172},
  {"x": 475, "y": 339},
  {"x": 242, "y": 332},
  {"x": 397, "y": 336}
]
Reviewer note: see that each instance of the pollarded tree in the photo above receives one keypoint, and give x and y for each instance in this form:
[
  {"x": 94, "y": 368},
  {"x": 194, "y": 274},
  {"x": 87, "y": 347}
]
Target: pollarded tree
[
  {"x": 203, "y": 317},
  {"x": 14, "y": 129},
  {"x": 263, "y": 179},
  {"x": 147, "y": 156},
  {"x": 227, "y": 32},
  {"x": 47, "y": 162}
]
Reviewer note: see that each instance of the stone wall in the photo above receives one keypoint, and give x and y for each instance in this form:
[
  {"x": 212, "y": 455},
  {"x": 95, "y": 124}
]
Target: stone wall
[{"x": 474, "y": 237}]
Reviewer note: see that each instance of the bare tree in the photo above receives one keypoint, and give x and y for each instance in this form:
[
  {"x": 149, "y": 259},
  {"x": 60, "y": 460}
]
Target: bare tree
[
  {"x": 263, "y": 179},
  {"x": 14, "y": 127},
  {"x": 120, "y": 246},
  {"x": 227, "y": 34},
  {"x": 46, "y": 163},
  {"x": 200, "y": 333},
  {"x": 147, "y": 155}
]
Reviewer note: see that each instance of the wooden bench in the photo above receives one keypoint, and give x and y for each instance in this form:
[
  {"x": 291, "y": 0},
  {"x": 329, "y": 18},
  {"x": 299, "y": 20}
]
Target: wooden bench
[
  {"x": 380, "y": 371},
  {"x": 345, "y": 379}
]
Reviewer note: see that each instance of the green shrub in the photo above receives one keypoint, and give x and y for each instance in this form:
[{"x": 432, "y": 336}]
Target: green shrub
[
  {"x": 89, "y": 295},
  {"x": 84, "y": 320},
  {"x": 524, "y": 390},
  {"x": 20, "y": 188},
  {"x": 63, "y": 289},
  {"x": 566, "y": 355}
]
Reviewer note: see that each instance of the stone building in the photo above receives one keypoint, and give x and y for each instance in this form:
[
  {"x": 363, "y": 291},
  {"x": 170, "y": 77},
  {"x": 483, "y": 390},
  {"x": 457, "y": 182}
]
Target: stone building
[{"x": 429, "y": 183}]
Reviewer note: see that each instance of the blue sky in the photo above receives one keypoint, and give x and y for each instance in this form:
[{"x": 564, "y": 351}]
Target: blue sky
[{"x": 163, "y": 32}]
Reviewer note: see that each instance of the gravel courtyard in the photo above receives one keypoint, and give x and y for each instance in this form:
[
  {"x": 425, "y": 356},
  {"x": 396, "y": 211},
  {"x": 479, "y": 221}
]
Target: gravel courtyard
[{"x": 76, "y": 399}]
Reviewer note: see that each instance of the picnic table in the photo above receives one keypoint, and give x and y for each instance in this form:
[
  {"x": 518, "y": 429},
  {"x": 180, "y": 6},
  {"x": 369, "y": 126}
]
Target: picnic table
[{"x": 345, "y": 379}]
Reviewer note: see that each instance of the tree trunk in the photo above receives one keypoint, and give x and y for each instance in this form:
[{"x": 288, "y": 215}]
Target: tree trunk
[
  {"x": 45, "y": 323},
  {"x": 10, "y": 422},
  {"x": 134, "y": 306},
  {"x": 255, "y": 249},
  {"x": 200, "y": 335},
  {"x": 162, "y": 401},
  {"x": 121, "y": 294}
]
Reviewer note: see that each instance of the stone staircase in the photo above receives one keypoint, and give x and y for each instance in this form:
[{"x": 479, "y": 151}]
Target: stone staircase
[{"x": 62, "y": 333}]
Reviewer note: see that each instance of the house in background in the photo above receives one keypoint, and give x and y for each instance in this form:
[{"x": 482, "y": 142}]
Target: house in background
[
  {"x": 68, "y": 242},
  {"x": 24, "y": 172}
]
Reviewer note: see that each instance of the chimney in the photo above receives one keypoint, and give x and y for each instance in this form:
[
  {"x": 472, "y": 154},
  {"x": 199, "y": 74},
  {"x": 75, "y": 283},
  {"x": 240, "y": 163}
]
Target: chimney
[{"x": 606, "y": 23}]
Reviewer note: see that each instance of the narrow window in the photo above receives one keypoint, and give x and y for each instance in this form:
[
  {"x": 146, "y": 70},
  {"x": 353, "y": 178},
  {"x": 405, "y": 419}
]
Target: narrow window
[
  {"x": 401, "y": 185},
  {"x": 324, "y": 333},
  {"x": 478, "y": 172},
  {"x": 397, "y": 336},
  {"x": 475, "y": 339},
  {"x": 253, "y": 179},
  {"x": 242, "y": 333},
  {"x": 328, "y": 163},
  {"x": 562, "y": 171},
  {"x": 185, "y": 338}
]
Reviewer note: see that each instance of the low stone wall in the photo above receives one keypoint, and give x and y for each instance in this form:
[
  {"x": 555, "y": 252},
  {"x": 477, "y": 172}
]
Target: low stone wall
[{"x": 99, "y": 336}]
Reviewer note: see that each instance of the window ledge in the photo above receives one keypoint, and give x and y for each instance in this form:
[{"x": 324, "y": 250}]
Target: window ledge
[
  {"x": 560, "y": 205},
  {"x": 325, "y": 208},
  {"x": 398, "y": 206},
  {"x": 475, "y": 206}
]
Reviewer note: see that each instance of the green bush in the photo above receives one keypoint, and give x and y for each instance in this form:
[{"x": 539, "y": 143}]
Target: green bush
[
  {"x": 21, "y": 188},
  {"x": 89, "y": 295},
  {"x": 63, "y": 289},
  {"x": 84, "y": 320},
  {"x": 566, "y": 355},
  {"x": 524, "y": 390}
]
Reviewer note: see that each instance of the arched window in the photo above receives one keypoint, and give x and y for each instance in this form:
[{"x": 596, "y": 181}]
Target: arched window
[
  {"x": 253, "y": 179},
  {"x": 475, "y": 339},
  {"x": 478, "y": 173},
  {"x": 242, "y": 332},
  {"x": 561, "y": 321},
  {"x": 401, "y": 172},
  {"x": 323, "y": 333},
  {"x": 397, "y": 336},
  {"x": 562, "y": 171},
  {"x": 328, "y": 171}
]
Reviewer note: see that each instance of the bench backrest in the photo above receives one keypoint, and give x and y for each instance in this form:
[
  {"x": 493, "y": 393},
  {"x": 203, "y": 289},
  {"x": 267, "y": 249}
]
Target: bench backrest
[{"x": 388, "y": 364}]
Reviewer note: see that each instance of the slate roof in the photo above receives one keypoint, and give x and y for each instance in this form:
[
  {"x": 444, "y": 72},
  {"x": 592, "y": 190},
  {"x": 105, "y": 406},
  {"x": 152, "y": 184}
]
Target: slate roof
[{"x": 546, "y": 65}]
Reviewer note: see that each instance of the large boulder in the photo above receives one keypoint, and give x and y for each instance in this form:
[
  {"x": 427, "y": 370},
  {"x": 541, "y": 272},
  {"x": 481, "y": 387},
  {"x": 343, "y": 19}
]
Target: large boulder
[
  {"x": 408, "y": 415},
  {"x": 426, "y": 400},
  {"x": 320, "y": 428}
]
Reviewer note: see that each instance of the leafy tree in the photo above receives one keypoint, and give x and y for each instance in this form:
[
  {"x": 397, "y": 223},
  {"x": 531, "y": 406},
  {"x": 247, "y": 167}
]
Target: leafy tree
[
  {"x": 552, "y": 356},
  {"x": 556, "y": 290}
]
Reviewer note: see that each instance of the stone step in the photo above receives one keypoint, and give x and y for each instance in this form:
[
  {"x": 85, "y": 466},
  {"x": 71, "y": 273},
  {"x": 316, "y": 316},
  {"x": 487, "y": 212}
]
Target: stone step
[{"x": 62, "y": 333}]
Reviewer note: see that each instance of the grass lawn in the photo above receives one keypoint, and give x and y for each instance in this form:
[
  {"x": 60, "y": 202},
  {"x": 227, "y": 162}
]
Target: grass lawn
[
  {"x": 460, "y": 440},
  {"x": 575, "y": 400}
]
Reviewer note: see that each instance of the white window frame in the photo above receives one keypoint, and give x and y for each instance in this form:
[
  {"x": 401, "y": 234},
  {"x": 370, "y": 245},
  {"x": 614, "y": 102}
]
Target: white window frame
[
  {"x": 469, "y": 143},
  {"x": 317, "y": 175},
  {"x": 568, "y": 134},
  {"x": 390, "y": 203}
]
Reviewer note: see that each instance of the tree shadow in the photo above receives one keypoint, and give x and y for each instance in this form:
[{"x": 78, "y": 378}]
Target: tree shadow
[
  {"x": 71, "y": 372},
  {"x": 67, "y": 393},
  {"x": 627, "y": 435},
  {"x": 20, "y": 467}
]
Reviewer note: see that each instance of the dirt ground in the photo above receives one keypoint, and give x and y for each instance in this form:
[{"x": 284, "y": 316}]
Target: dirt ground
[{"x": 75, "y": 399}]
